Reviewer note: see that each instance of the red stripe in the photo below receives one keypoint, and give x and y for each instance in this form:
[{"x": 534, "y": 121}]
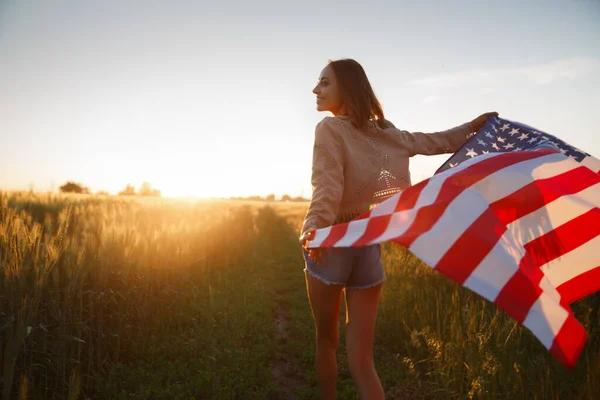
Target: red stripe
[
  {"x": 569, "y": 342},
  {"x": 481, "y": 237},
  {"x": 561, "y": 240},
  {"x": 409, "y": 197},
  {"x": 454, "y": 185},
  {"x": 337, "y": 232},
  {"x": 580, "y": 286},
  {"x": 471, "y": 247},
  {"x": 522, "y": 290},
  {"x": 518, "y": 295},
  {"x": 375, "y": 228},
  {"x": 541, "y": 192}
]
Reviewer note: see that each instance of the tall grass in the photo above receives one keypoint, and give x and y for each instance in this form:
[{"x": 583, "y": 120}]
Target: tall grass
[
  {"x": 455, "y": 344},
  {"x": 86, "y": 283}
]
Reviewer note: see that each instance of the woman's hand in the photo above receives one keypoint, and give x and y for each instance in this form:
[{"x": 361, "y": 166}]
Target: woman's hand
[
  {"x": 478, "y": 122},
  {"x": 314, "y": 254}
]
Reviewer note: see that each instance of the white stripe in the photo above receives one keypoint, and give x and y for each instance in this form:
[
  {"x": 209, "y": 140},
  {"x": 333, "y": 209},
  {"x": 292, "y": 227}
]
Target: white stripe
[
  {"x": 399, "y": 223},
  {"x": 427, "y": 196},
  {"x": 592, "y": 163},
  {"x": 548, "y": 288},
  {"x": 320, "y": 236},
  {"x": 499, "y": 265},
  {"x": 496, "y": 269},
  {"x": 545, "y": 319},
  {"x": 355, "y": 230},
  {"x": 473, "y": 201},
  {"x": 386, "y": 207},
  {"x": 576, "y": 262}
]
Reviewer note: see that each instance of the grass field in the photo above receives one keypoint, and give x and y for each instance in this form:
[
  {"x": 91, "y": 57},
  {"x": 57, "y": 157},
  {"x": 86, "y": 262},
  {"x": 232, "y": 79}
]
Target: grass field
[{"x": 108, "y": 298}]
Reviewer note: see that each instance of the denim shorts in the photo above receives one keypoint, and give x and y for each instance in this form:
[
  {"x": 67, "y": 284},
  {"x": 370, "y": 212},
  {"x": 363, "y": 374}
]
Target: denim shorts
[{"x": 353, "y": 267}]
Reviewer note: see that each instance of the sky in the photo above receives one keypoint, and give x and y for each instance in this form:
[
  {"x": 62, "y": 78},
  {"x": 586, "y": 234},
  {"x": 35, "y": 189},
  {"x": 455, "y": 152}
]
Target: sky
[{"x": 215, "y": 98}]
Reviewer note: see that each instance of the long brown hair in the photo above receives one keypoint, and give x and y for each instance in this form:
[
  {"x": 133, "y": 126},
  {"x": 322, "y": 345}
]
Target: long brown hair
[{"x": 358, "y": 98}]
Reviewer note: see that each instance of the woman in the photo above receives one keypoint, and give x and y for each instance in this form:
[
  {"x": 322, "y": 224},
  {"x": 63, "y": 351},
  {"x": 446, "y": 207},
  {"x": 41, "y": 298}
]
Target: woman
[{"x": 359, "y": 159}]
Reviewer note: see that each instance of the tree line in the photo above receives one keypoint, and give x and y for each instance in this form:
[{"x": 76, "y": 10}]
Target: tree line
[{"x": 145, "y": 189}]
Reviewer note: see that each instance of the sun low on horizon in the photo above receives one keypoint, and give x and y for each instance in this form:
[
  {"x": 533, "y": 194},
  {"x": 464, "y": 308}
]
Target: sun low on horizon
[{"x": 124, "y": 93}]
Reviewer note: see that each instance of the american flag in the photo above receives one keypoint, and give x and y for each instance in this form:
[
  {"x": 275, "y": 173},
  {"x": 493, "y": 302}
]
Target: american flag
[{"x": 520, "y": 226}]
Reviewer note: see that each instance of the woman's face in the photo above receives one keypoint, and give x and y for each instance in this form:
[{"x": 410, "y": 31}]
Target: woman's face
[{"x": 328, "y": 95}]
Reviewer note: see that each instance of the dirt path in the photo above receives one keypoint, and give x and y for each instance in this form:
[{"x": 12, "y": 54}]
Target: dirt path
[{"x": 283, "y": 372}]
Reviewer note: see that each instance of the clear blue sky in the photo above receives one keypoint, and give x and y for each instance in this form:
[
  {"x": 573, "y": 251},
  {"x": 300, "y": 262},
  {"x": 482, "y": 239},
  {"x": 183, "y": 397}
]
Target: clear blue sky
[{"x": 214, "y": 99}]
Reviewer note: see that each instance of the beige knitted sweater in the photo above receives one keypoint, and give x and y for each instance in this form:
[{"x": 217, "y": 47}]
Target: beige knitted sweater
[{"x": 354, "y": 169}]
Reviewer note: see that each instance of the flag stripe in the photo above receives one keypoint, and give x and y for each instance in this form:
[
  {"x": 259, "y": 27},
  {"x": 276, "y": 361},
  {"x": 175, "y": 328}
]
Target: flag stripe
[
  {"x": 580, "y": 260},
  {"x": 541, "y": 192},
  {"x": 355, "y": 230},
  {"x": 337, "y": 233},
  {"x": 459, "y": 182},
  {"x": 545, "y": 318},
  {"x": 580, "y": 286},
  {"x": 568, "y": 343},
  {"x": 487, "y": 279},
  {"x": 518, "y": 295},
  {"x": 481, "y": 237},
  {"x": 591, "y": 163},
  {"x": 466, "y": 208},
  {"x": 376, "y": 227}
]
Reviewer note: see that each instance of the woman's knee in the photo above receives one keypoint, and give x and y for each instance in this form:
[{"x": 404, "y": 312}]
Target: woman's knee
[
  {"x": 328, "y": 338},
  {"x": 360, "y": 364}
]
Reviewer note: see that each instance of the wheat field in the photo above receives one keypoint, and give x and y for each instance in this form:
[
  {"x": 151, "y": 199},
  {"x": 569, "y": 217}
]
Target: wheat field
[{"x": 112, "y": 298}]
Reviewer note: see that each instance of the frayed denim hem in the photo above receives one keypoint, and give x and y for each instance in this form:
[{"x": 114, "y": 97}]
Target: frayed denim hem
[
  {"x": 368, "y": 286},
  {"x": 325, "y": 281}
]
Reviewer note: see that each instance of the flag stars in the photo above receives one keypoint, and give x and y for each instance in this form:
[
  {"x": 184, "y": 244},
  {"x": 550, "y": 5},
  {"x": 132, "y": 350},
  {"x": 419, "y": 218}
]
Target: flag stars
[
  {"x": 481, "y": 142},
  {"x": 471, "y": 153},
  {"x": 495, "y": 146},
  {"x": 514, "y": 131},
  {"x": 489, "y": 135},
  {"x": 533, "y": 139},
  {"x": 504, "y": 127},
  {"x": 501, "y": 140},
  {"x": 524, "y": 136},
  {"x": 509, "y": 146}
]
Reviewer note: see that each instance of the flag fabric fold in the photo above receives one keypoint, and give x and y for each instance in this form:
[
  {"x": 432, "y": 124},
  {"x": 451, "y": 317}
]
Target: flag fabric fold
[{"x": 517, "y": 224}]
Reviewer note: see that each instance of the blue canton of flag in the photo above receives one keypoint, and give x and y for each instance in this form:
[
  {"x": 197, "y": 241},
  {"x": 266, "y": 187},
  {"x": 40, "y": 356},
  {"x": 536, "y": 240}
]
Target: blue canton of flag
[{"x": 502, "y": 135}]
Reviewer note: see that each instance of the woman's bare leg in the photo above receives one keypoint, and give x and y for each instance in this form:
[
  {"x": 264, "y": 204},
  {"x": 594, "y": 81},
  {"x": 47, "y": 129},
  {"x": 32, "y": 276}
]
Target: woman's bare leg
[
  {"x": 325, "y": 302},
  {"x": 361, "y": 314}
]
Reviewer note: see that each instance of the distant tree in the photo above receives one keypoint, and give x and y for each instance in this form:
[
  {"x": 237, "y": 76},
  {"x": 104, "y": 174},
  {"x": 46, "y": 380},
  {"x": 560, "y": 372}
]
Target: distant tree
[
  {"x": 286, "y": 197},
  {"x": 147, "y": 190},
  {"x": 299, "y": 199},
  {"x": 102, "y": 193},
  {"x": 73, "y": 187},
  {"x": 128, "y": 191},
  {"x": 270, "y": 197}
]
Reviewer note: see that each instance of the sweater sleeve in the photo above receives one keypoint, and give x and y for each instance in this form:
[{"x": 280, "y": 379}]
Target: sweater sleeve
[
  {"x": 327, "y": 179},
  {"x": 436, "y": 143}
]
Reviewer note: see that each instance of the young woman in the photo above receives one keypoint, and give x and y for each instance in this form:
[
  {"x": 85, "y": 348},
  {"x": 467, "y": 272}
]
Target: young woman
[{"x": 359, "y": 159}]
